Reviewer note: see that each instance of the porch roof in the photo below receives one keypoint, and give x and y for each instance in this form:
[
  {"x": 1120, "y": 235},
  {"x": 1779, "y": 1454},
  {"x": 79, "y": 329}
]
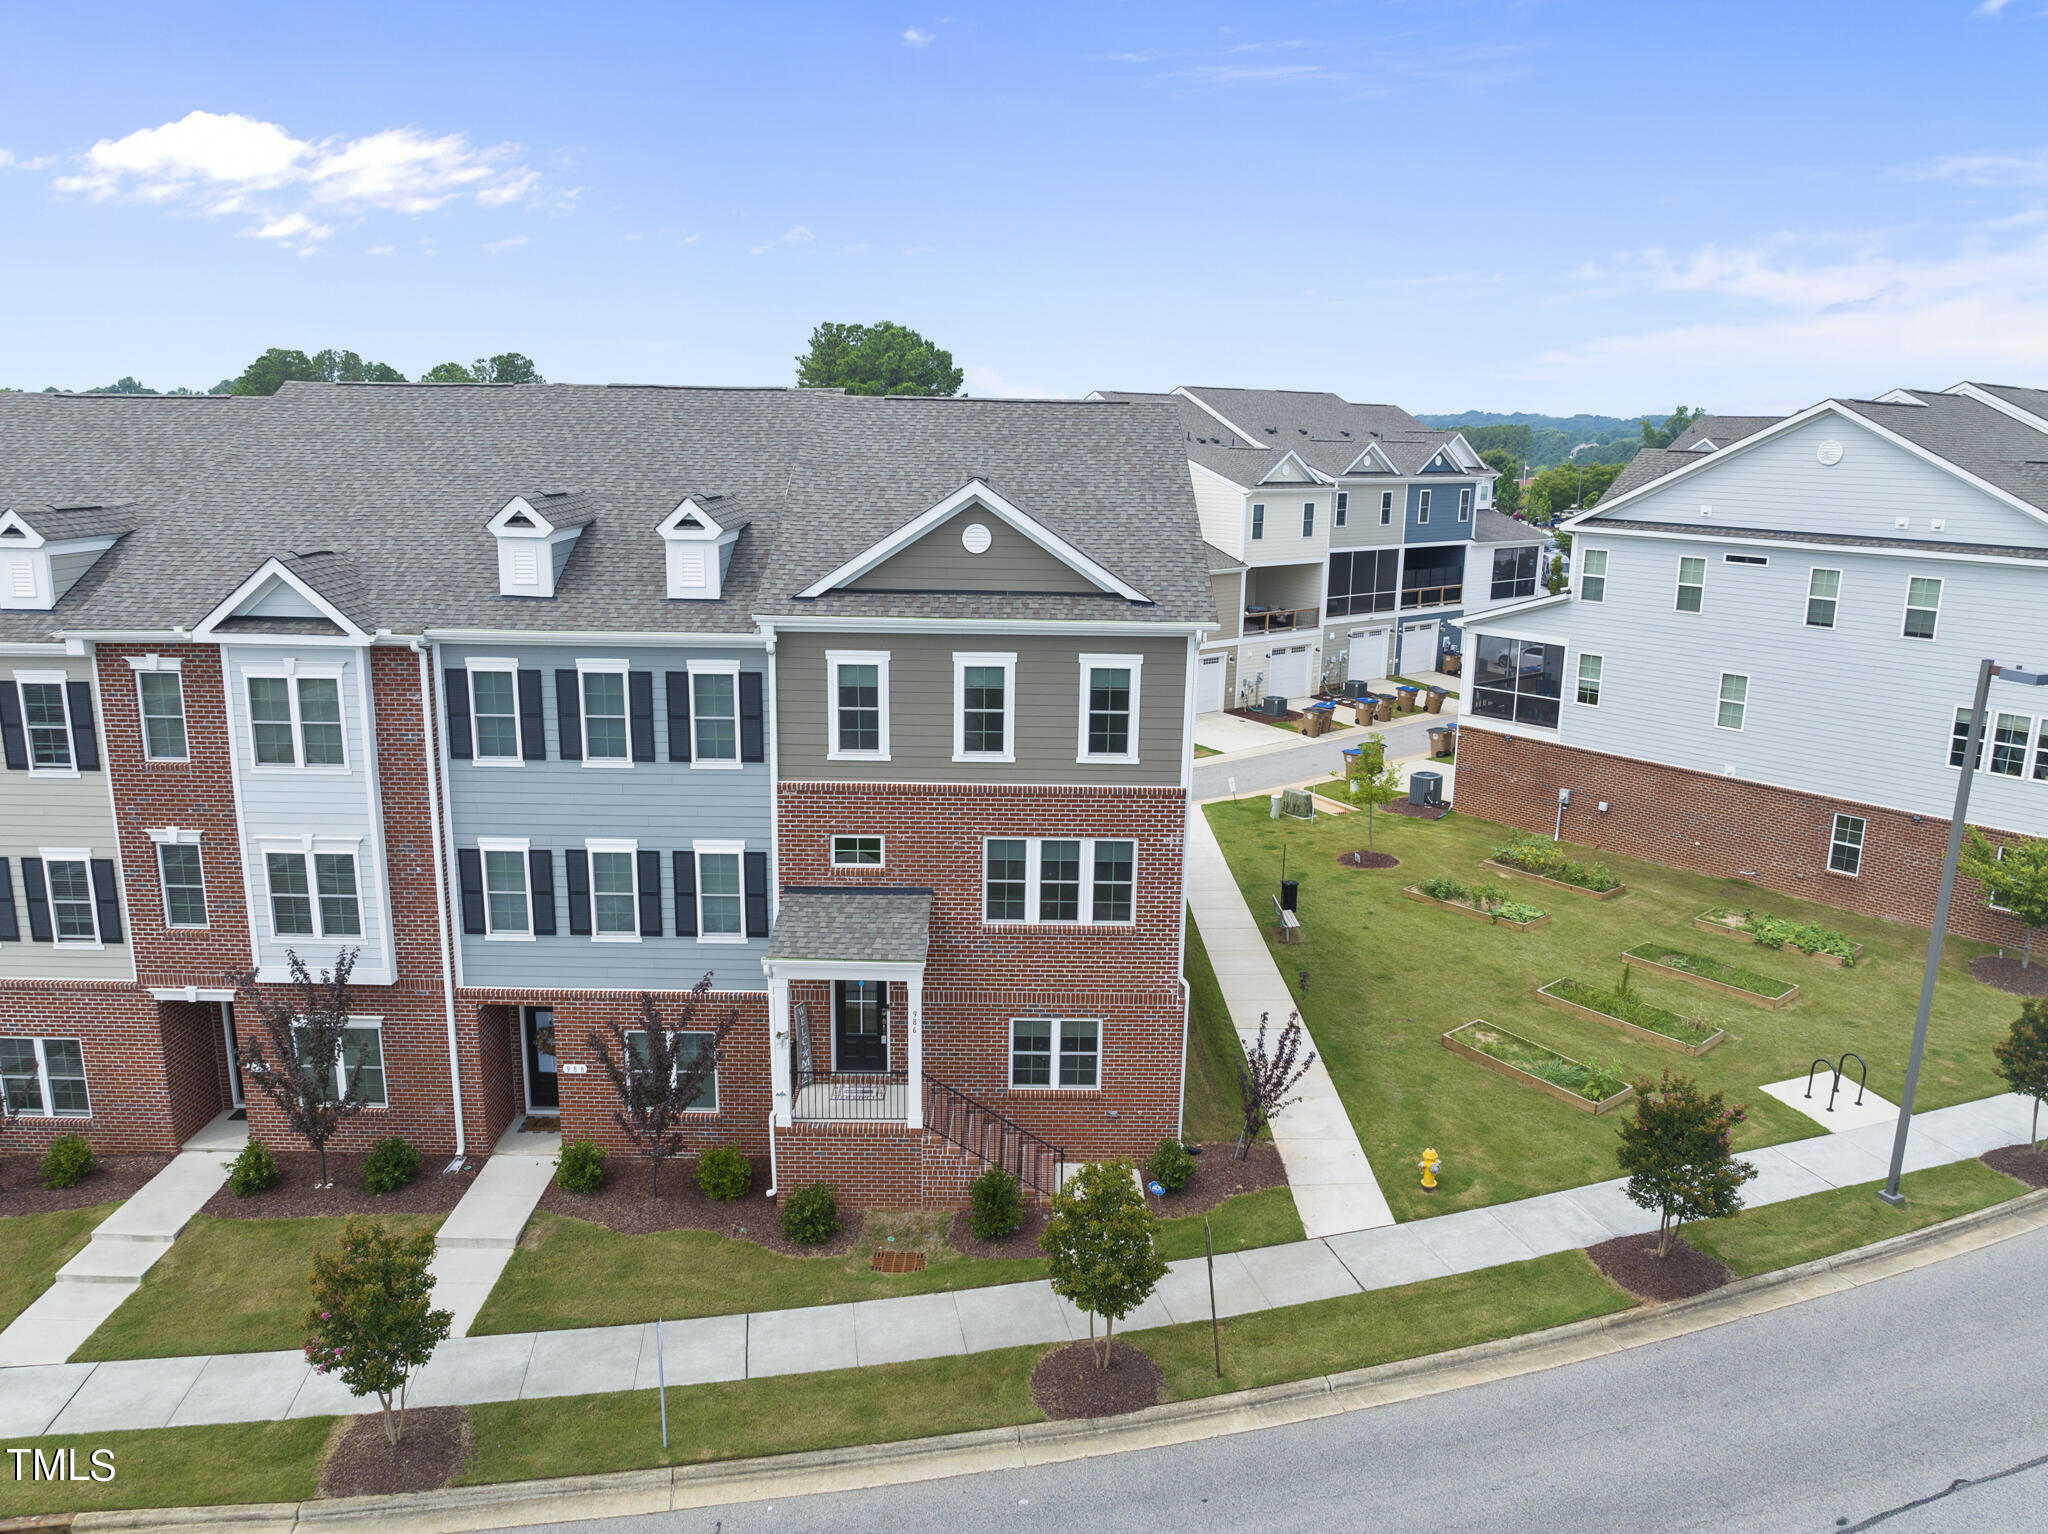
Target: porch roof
[{"x": 870, "y": 923}]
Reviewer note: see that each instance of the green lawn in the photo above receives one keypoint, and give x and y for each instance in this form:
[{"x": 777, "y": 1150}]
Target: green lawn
[
  {"x": 1389, "y": 976},
  {"x": 1264, "y": 1218},
  {"x": 179, "y": 1467},
  {"x": 34, "y": 1246},
  {"x": 226, "y": 1286},
  {"x": 1210, "y": 1114}
]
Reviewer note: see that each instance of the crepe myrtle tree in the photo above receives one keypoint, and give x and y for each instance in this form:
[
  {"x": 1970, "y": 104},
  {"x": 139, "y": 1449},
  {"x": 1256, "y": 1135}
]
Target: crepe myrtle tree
[
  {"x": 1677, "y": 1157},
  {"x": 373, "y": 1320},
  {"x": 2014, "y": 878},
  {"x": 295, "y": 1052},
  {"x": 655, "y": 1076},
  {"x": 2022, "y": 1057},
  {"x": 1099, "y": 1240},
  {"x": 1264, "y": 1079}
]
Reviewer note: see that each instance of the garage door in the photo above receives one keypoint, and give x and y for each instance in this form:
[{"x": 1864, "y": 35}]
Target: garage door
[
  {"x": 1287, "y": 672},
  {"x": 1209, "y": 686},
  {"x": 1418, "y": 649},
  {"x": 1367, "y": 655}
]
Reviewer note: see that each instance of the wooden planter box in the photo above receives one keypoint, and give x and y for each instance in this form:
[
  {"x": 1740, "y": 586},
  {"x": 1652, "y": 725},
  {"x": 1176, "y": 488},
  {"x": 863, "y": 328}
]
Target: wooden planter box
[
  {"x": 1580, "y": 890},
  {"x": 1634, "y": 1030},
  {"x": 1707, "y": 923},
  {"x": 1458, "y": 1046},
  {"x": 1768, "y": 1003},
  {"x": 1412, "y": 893}
]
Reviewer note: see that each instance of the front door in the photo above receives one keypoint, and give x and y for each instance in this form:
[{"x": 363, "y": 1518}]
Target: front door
[
  {"x": 537, "y": 1028},
  {"x": 860, "y": 1025},
  {"x": 238, "y": 1105}
]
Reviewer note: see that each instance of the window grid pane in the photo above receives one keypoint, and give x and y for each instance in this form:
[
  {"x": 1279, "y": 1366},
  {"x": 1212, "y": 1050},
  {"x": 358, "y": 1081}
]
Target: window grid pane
[
  {"x": 64, "y": 1064},
  {"x": 1845, "y": 850},
  {"x": 718, "y": 892},
  {"x": 1589, "y": 679},
  {"x": 362, "y": 1051},
  {"x": 2009, "y": 744},
  {"x": 611, "y": 885},
  {"x": 184, "y": 886},
  {"x": 1923, "y": 605},
  {"x": 24, "y": 1088},
  {"x": 496, "y": 711},
  {"x": 1004, "y": 897},
  {"x": 49, "y": 735},
  {"x": 860, "y": 708},
  {"x": 1059, "y": 881},
  {"x": 1692, "y": 578},
  {"x": 857, "y": 851},
  {"x": 1822, "y": 593},
  {"x": 1031, "y": 1052},
  {"x": 71, "y": 902},
  {"x": 689, "y": 1048},
  {"x": 270, "y": 720},
  {"x": 163, "y": 714},
  {"x": 1078, "y": 1053},
  {"x": 291, "y": 905},
  {"x": 320, "y": 720},
  {"x": 1113, "y": 881},
  {"x": 505, "y": 890},
  {"x": 1109, "y": 711},
  {"x": 1734, "y": 701},
  {"x": 982, "y": 700},
  {"x": 340, "y": 914},
  {"x": 1959, "y": 741},
  {"x": 717, "y": 717},
  {"x": 604, "y": 716},
  {"x": 2041, "y": 753}
]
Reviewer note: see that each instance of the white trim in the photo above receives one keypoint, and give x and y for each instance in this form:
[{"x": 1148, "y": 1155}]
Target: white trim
[
  {"x": 834, "y": 659},
  {"x": 954, "y": 627},
  {"x": 157, "y": 665},
  {"x": 698, "y": 760},
  {"x": 1464, "y": 503},
  {"x": 1834, "y": 840},
  {"x": 1679, "y": 585},
  {"x": 1315, "y": 475},
  {"x": 630, "y": 846},
  {"x": 1580, "y": 572},
  {"x": 1908, "y": 609},
  {"x": 1054, "y": 1084},
  {"x": 305, "y": 848},
  {"x": 47, "y": 1108},
  {"x": 191, "y": 993},
  {"x": 501, "y": 663},
  {"x": 972, "y": 493},
  {"x": 485, "y": 846},
  {"x": 1135, "y": 664},
  {"x": 962, "y": 659},
  {"x": 177, "y": 836},
  {"x": 736, "y": 850},
  {"x": 1034, "y": 883},
  {"x": 61, "y": 680},
  {"x": 623, "y": 669},
  {"x": 291, "y": 671},
  {"x": 1579, "y": 678},
  {"x": 1806, "y": 608},
  {"x": 277, "y": 568},
  {"x": 83, "y": 857},
  {"x": 1422, "y": 504},
  {"x": 881, "y": 847},
  {"x": 1722, "y": 700}
]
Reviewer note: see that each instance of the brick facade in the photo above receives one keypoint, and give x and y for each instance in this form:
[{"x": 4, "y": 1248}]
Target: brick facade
[{"x": 1776, "y": 838}]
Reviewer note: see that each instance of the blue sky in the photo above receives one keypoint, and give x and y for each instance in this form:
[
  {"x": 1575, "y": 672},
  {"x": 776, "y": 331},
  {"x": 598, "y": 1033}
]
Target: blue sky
[{"x": 1539, "y": 206}]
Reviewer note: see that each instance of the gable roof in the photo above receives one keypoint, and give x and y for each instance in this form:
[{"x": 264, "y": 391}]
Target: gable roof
[{"x": 1720, "y": 430}]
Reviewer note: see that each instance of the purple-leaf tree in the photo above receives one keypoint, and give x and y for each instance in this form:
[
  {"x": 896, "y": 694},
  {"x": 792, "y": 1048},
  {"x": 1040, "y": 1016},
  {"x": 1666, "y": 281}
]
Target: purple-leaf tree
[
  {"x": 295, "y": 1054},
  {"x": 1264, "y": 1079},
  {"x": 659, "y": 1069}
]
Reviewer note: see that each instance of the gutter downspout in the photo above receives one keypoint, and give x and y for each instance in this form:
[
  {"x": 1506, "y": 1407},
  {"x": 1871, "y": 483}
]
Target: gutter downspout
[{"x": 430, "y": 755}]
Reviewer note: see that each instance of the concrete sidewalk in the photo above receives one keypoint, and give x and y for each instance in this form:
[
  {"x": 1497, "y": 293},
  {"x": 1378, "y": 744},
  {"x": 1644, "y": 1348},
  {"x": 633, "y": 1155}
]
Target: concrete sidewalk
[
  {"x": 476, "y": 1240},
  {"x": 263, "y": 1387}
]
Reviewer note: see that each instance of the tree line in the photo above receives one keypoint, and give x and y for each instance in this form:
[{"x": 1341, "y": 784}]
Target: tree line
[{"x": 280, "y": 365}]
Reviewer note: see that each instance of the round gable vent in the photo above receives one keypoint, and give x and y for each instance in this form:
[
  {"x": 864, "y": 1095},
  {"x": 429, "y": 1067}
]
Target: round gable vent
[
  {"x": 1829, "y": 452},
  {"x": 975, "y": 538}
]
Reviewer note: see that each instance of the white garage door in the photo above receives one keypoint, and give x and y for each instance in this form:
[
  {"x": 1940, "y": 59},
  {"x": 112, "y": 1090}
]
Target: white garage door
[
  {"x": 1287, "y": 672},
  {"x": 1418, "y": 649},
  {"x": 1367, "y": 655},
  {"x": 1209, "y": 686}
]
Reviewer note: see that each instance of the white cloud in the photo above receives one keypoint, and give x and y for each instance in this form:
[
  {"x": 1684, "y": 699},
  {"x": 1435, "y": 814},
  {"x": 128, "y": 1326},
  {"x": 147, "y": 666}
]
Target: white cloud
[
  {"x": 912, "y": 38},
  {"x": 689, "y": 239},
  {"x": 9, "y": 160},
  {"x": 382, "y": 250},
  {"x": 1992, "y": 7},
  {"x": 2027, "y": 168},
  {"x": 291, "y": 230},
  {"x": 510, "y": 242},
  {"x": 799, "y": 234}
]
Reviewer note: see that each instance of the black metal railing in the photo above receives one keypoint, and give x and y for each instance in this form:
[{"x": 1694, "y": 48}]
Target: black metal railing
[
  {"x": 981, "y": 1131},
  {"x": 851, "y": 1097}
]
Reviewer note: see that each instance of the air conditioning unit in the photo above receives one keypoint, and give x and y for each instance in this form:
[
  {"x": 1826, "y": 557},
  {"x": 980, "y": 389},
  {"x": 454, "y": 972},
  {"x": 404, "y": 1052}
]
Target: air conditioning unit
[
  {"x": 1426, "y": 790},
  {"x": 1274, "y": 705}
]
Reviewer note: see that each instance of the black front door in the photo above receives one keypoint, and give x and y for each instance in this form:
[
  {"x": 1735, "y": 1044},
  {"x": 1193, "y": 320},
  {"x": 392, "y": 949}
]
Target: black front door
[
  {"x": 538, "y": 1029},
  {"x": 860, "y": 1025}
]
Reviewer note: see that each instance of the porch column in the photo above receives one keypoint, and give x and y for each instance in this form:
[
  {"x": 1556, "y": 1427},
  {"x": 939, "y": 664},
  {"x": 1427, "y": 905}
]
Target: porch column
[
  {"x": 913, "y": 1029},
  {"x": 778, "y": 1049}
]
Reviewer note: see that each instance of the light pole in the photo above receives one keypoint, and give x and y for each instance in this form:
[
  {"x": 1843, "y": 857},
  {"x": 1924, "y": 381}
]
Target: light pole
[{"x": 1958, "y": 822}]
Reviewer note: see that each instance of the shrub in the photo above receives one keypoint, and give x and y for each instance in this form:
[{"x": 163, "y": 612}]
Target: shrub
[
  {"x": 811, "y": 1216},
  {"x": 1536, "y": 855},
  {"x": 1443, "y": 887},
  {"x": 254, "y": 1170},
  {"x": 580, "y": 1167},
  {"x": 1171, "y": 1166},
  {"x": 1806, "y": 936},
  {"x": 391, "y": 1165},
  {"x": 373, "y": 1321},
  {"x": 995, "y": 1205},
  {"x": 1489, "y": 897},
  {"x": 1520, "y": 911},
  {"x": 724, "y": 1172},
  {"x": 67, "y": 1162}
]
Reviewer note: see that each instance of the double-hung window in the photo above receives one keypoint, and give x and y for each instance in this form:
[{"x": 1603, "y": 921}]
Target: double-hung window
[
  {"x": 508, "y": 900},
  {"x": 160, "y": 700},
  {"x": 720, "y": 893},
  {"x": 360, "y": 1070},
  {"x": 1465, "y": 504},
  {"x": 313, "y": 894},
  {"x": 1059, "y": 880},
  {"x": 494, "y": 710},
  {"x": 689, "y": 1049},
  {"x": 715, "y": 716},
  {"x": 44, "y": 1077},
  {"x": 1258, "y": 520},
  {"x": 1114, "y": 881},
  {"x": 1823, "y": 597},
  {"x": 1422, "y": 506},
  {"x": 1055, "y": 1052},
  {"x": 1006, "y": 879},
  {"x": 1593, "y": 575},
  {"x": 1109, "y": 707},
  {"x": 68, "y": 878},
  {"x": 2009, "y": 734},
  {"x": 858, "y": 681},
  {"x": 184, "y": 880},
  {"x": 1845, "y": 845},
  {"x": 984, "y": 707},
  {"x": 2041, "y": 751},
  {"x": 295, "y": 721},
  {"x": 46, "y": 717},
  {"x": 1386, "y": 508},
  {"x": 1308, "y": 519},
  {"x": 1692, "y": 584},
  {"x": 1734, "y": 702},
  {"x": 614, "y": 892},
  {"x": 605, "y": 736},
  {"x": 1590, "y": 667},
  {"x": 1923, "y": 606},
  {"x": 1959, "y": 741},
  {"x": 1343, "y": 506}
]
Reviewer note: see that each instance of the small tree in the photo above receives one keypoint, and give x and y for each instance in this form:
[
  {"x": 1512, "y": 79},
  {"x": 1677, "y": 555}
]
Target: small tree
[
  {"x": 1264, "y": 1080},
  {"x": 373, "y": 1320},
  {"x": 2022, "y": 1057},
  {"x": 657, "y": 1075},
  {"x": 1371, "y": 781},
  {"x": 1554, "y": 579},
  {"x": 2014, "y": 878},
  {"x": 1676, "y": 1154},
  {"x": 295, "y": 1054},
  {"x": 1100, "y": 1241},
  {"x": 9, "y": 1113}
]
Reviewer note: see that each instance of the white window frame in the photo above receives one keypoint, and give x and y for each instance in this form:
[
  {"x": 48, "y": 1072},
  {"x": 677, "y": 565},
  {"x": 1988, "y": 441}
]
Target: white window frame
[
  {"x": 881, "y": 847},
  {"x": 673, "y": 1035},
  {"x": 962, "y": 659},
  {"x": 1700, "y": 585},
  {"x": 1991, "y": 746},
  {"x": 732, "y": 763},
  {"x": 1308, "y": 519},
  {"x": 518, "y": 757},
  {"x": 291, "y": 672},
  {"x": 83, "y": 857},
  {"x": 157, "y": 665},
  {"x": 1835, "y": 840},
  {"x": 61, "y": 681},
  {"x": 1586, "y": 573},
  {"x": 1341, "y": 514},
  {"x": 1058, "y": 1025},
  {"x": 47, "y": 1108},
  {"x": 1465, "y": 503},
  {"x": 177, "y": 836},
  {"x": 1135, "y": 664},
  {"x": 1258, "y": 521},
  {"x": 592, "y": 846},
  {"x": 623, "y": 670},
  {"x": 306, "y": 847},
  {"x": 1580, "y": 679},
  {"x": 834, "y": 659},
  {"x": 2039, "y": 771},
  {"x": 485, "y": 846},
  {"x": 1386, "y": 508},
  {"x": 1835, "y": 601},
  {"x": 1909, "y": 609},
  {"x": 737, "y": 851},
  {"x": 1722, "y": 700},
  {"x": 1422, "y": 506},
  {"x": 1033, "y": 868},
  {"x": 376, "y": 1026}
]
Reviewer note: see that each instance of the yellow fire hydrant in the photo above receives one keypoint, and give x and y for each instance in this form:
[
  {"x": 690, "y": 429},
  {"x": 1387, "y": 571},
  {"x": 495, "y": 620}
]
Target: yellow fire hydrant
[{"x": 1430, "y": 1165}]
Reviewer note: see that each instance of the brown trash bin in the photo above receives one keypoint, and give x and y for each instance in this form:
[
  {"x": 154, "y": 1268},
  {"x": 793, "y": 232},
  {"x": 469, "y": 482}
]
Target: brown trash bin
[
  {"x": 1435, "y": 703},
  {"x": 1315, "y": 721},
  {"x": 1385, "y": 709}
]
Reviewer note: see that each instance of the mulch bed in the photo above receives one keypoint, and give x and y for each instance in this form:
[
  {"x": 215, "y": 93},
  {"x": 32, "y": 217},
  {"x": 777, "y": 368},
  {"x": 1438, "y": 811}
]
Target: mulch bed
[
  {"x": 624, "y": 1205},
  {"x": 294, "y": 1195},
  {"x": 436, "y": 1445},
  {"x": 22, "y": 1190},
  {"x": 1067, "y": 1383},
  {"x": 1416, "y": 811},
  {"x": 1021, "y": 1242},
  {"x": 1368, "y": 860},
  {"x": 2006, "y": 975},
  {"x": 1633, "y": 1263},
  {"x": 2030, "y": 1166},
  {"x": 1217, "y": 1177}
]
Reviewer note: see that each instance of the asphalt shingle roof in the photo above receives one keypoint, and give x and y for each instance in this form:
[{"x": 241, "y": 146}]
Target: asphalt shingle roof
[
  {"x": 1327, "y": 431},
  {"x": 876, "y": 923},
  {"x": 1722, "y": 430}
]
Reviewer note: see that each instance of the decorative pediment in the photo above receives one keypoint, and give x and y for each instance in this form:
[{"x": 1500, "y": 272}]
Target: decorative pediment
[
  {"x": 43, "y": 554},
  {"x": 1373, "y": 460},
  {"x": 1290, "y": 470},
  {"x": 700, "y": 534},
  {"x": 278, "y": 595},
  {"x": 536, "y": 534}
]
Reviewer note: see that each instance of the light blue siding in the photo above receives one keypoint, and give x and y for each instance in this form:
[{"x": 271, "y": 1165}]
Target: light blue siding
[{"x": 1443, "y": 525}]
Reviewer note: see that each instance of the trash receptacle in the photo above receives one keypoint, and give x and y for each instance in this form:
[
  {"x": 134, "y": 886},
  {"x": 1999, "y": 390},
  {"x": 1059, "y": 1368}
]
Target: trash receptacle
[
  {"x": 1404, "y": 699},
  {"x": 1434, "y": 701},
  {"x": 1443, "y": 739},
  {"x": 1384, "y": 707},
  {"x": 1318, "y": 718},
  {"x": 1290, "y": 893}
]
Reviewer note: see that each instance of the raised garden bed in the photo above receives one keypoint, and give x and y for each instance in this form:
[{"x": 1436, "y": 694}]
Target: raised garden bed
[
  {"x": 1536, "y": 857},
  {"x": 1478, "y": 913},
  {"x": 1557, "y": 884},
  {"x": 1794, "y": 937},
  {"x": 1729, "y": 979},
  {"x": 1530, "y": 1064},
  {"x": 1650, "y": 1022}
]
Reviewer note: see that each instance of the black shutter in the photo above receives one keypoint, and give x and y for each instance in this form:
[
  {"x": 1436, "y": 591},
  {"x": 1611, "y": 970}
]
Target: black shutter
[
  {"x": 757, "y": 894},
  {"x": 640, "y": 709},
  {"x": 9, "y": 932},
  {"x": 650, "y": 887},
  {"x": 533, "y": 730},
  {"x": 678, "y": 718},
  {"x": 569, "y": 715},
  {"x": 106, "y": 894},
  {"x": 458, "y": 713},
  {"x": 578, "y": 862},
  {"x": 541, "y": 865},
  {"x": 85, "y": 743},
  {"x": 470, "y": 866},
  {"x": 10, "y": 727},
  {"x": 753, "y": 747},
  {"x": 38, "y": 893},
  {"x": 686, "y": 894}
]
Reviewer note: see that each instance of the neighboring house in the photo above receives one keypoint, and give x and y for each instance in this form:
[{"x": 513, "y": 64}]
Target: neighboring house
[
  {"x": 872, "y": 711},
  {"x": 1354, "y": 539},
  {"x": 1764, "y": 665}
]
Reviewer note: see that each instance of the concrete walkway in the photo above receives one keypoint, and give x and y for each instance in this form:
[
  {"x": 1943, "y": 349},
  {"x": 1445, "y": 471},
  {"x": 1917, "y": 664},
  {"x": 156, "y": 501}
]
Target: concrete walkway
[
  {"x": 126, "y": 1245},
  {"x": 476, "y": 1240},
  {"x": 1333, "y": 1183},
  {"x": 262, "y": 1387}
]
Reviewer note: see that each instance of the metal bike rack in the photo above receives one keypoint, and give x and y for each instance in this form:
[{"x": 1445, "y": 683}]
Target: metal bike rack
[{"x": 1836, "y": 1069}]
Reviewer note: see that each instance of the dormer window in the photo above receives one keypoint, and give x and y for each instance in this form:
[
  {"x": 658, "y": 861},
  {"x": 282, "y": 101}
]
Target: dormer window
[
  {"x": 535, "y": 539},
  {"x": 43, "y": 554},
  {"x": 700, "y": 542}
]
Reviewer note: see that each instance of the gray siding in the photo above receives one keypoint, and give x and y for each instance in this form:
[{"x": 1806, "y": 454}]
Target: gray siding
[
  {"x": 940, "y": 562},
  {"x": 558, "y": 805},
  {"x": 1443, "y": 525},
  {"x": 1362, "y": 529},
  {"x": 1229, "y": 591},
  {"x": 921, "y": 708}
]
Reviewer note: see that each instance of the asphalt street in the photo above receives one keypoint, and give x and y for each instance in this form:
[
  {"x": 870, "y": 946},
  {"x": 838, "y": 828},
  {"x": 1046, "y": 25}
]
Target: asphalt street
[
  {"x": 1854, "y": 1411},
  {"x": 1277, "y": 769}
]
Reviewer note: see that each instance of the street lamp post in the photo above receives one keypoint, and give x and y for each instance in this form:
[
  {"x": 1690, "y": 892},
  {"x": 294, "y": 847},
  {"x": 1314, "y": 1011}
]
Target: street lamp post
[{"x": 1958, "y": 822}]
